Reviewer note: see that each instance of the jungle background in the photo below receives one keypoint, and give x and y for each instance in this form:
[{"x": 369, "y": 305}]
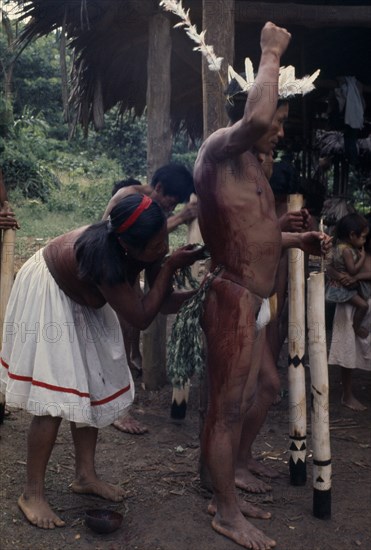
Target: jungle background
[{"x": 56, "y": 177}]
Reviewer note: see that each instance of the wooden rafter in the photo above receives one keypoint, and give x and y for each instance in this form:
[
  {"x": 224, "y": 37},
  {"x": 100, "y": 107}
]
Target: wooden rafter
[{"x": 306, "y": 15}]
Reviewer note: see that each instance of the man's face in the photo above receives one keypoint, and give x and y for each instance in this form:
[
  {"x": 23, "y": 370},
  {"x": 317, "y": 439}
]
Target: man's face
[
  {"x": 269, "y": 140},
  {"x": 167, "y": 202}
]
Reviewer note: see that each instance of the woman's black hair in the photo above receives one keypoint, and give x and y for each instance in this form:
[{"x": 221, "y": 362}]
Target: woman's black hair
[
  {"x": 350, "y": 223},
  {"x": 99, "y": 254}
]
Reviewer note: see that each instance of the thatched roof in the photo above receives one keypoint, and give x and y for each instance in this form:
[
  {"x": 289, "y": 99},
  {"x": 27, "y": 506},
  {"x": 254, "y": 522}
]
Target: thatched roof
[
  {"x": 110, "y": 40},
  {"x": 110, "y": 43}
]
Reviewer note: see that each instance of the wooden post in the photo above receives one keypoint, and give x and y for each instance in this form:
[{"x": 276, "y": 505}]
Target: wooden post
[
  {"x": 7, "y": 244},
  {"x": 159, "y": 143},
  {"x": 218, "y": 20},
  {"x": 296, "y": 373},
  {"x": 319, "y": 396},
  {"x": 6, "y": 270}
]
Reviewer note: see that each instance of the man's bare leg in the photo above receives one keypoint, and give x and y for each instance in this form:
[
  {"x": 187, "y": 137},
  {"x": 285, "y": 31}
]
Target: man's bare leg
[
  {"x": 40, "y": 441},
  {"x": 247, "y": 509},
  {"x": 230, "y": 344},
  {"x": 268, "y": 384},
  {"x": 348, "y": 399},
  {"x": 129, "y": 425},
  {"x": 86, "y": 481}
]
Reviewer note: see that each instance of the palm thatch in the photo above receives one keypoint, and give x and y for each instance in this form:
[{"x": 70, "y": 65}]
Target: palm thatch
[{"x": 110, "y": 43}]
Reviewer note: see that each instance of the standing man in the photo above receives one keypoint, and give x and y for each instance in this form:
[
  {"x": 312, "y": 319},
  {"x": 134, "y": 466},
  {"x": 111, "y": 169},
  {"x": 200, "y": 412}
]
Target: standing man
[{"x": 240, "y": 229}]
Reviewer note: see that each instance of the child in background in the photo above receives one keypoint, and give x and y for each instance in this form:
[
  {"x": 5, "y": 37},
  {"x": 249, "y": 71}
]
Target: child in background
[
  {"x": 347, "y": 350},
  {"x": 348, "y": 257}
]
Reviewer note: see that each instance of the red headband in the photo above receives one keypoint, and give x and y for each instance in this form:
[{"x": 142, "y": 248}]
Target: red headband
[{"x": 143, "y": 205}]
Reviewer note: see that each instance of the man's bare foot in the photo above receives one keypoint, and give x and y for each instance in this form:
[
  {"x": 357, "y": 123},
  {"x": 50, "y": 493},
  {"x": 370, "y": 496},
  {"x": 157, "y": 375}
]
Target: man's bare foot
[
  {"x": 259, "y": 468},
  {"x": 246, "y": 508},
  {"x": 129, "y": 425},
  {"x": 353, "y": 404},
  {"x": 39, "y": 513},
  {"x": 99, "y": 488},
  {"x": 247, "y": 481},
  {"x": 242, "y": 532}
]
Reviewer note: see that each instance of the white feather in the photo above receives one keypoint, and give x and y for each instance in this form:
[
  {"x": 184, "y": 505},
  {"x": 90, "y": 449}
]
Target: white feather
[
  {"x": 249, "y": 71},
  {"x": 307, "y": 82},
  {"x": 241, "y": 81}
]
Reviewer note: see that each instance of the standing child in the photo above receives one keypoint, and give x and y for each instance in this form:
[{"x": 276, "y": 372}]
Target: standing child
[
  {"x": 349, "y": 256},
  {"x": 347, "y": 350}
]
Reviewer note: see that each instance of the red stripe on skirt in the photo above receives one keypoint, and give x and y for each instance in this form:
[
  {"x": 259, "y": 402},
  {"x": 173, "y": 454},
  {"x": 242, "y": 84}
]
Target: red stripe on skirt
[{"x": 64, "y": 390}]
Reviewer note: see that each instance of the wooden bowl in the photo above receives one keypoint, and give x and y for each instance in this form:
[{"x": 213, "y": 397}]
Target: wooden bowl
[{"x": 103, "y": 521}]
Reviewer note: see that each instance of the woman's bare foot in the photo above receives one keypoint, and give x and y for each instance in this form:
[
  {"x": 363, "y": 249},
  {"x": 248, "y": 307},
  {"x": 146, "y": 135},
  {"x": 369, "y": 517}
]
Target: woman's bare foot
[
  {"x": 246, "y": 508},
  {"x": 247, "y": 481},
  {"x": 259, "y": 468},
  {"x": 242, "y": 532},
  {"x": 39, "y": 513},
  {"x": 99, "y": 488},
  {"x": 129, "y": 425},
  {"x": 352, "y": 403}
]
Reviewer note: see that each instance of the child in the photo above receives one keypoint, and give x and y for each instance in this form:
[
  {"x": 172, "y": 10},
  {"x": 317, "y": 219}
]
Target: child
[
  {"x": 347, "y": 351},
  {"x": 349, "y": 256}
]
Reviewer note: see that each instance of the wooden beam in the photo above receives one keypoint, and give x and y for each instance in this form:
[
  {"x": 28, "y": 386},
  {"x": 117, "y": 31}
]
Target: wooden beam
[
  {"x": 305, "y": 15},
  {"x": 218, "y": 19},
  {"x": 159, "y": 143}
]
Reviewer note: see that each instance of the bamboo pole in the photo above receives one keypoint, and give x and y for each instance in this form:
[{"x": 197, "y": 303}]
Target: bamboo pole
[
  {"x": 319, "y": 396},
  {"x": 6, "y": 269},
  {"x": 7, "y": 245},
  {"x": 296, "y": 349}
]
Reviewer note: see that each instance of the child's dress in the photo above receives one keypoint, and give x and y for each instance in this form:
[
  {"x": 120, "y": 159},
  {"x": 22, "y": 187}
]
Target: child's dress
[{"x": 335, "y": 291}]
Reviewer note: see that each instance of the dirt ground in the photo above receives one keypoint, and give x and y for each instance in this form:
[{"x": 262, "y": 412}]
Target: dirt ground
[{"x": 165, "y": 506}]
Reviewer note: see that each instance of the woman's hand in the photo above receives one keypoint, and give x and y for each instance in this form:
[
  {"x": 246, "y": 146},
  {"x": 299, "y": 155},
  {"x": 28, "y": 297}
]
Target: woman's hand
[{"x": 186, "y": 255}]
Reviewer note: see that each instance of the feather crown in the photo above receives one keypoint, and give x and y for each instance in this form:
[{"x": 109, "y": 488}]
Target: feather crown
[{"x": 288, "y": 84}]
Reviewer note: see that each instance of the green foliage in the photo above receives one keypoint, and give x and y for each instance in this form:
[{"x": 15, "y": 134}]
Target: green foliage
[
  {"x": 123, "y": 139},
  {"x": 37, "y": 80},
  {"x": 33, "y": 179},
  {"x": 185, "y": 151},
  {"x": 22, "y": 156},
  {"x": 6, "y": 116}
]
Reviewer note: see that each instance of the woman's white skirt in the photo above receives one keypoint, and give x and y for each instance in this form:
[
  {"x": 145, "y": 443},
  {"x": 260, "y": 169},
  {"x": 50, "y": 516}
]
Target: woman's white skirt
[
  {"x": 347, "y": 349},
  {"x": 59, "y": 358}
]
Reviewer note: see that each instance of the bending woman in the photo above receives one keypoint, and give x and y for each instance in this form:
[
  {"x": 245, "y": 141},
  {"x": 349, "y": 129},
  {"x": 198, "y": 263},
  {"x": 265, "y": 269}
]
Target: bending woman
[{"x": 63, "y": 355}]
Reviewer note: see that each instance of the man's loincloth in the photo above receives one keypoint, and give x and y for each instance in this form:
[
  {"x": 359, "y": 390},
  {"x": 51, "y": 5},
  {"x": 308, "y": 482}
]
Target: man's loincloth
[{"x": 267, "y": 312}]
